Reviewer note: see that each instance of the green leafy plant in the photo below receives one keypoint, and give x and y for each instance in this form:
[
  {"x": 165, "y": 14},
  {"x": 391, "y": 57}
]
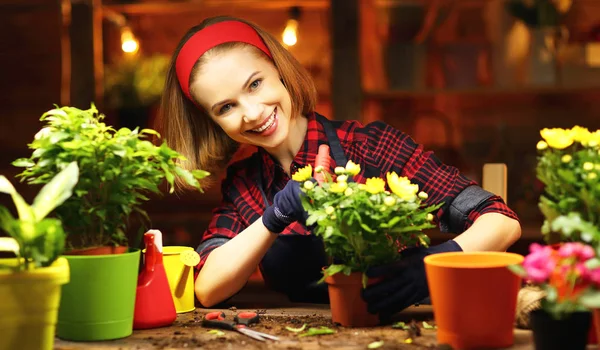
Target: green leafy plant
[
  {"x": 35, "y": 239},
  {"x": 118, "y": 169},
  {"x": 539, "y": 13},
  {"x": 569, "y": 167},
  {"x": 135, "y": 81},
  {"x": 364, "y": 225}
]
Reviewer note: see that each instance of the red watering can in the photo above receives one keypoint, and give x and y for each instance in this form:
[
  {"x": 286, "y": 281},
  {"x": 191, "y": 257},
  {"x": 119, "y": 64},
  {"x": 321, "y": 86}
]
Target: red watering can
[{"x": 154, "y": 306}]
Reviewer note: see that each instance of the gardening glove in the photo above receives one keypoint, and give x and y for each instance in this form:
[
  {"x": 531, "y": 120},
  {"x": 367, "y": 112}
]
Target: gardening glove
[
  {"x": 286, "y": 208},
  {"x": 404, "y": 281}
]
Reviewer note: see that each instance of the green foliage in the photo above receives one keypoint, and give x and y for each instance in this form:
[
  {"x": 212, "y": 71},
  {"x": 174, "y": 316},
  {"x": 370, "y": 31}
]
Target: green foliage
[
  {"x": 569, "y": 167},
  {"x": 118, "y": 169},
  {"x": 537, "y": 13},
  {"x": 135, "y": 81},
  {"x": 312, "y": 331},
  {"x": 36, "y": 240},
  {"x": 363, "y": 225}
]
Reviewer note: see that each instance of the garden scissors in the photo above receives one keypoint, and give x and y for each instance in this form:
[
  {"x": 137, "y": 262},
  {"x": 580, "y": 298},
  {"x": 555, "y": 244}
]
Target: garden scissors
[{"x": 240, "y": 323}]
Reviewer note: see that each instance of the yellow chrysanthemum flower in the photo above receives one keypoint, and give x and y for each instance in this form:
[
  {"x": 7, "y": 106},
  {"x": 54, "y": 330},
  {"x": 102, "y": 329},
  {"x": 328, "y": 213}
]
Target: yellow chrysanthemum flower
[
  {"x": 303, "y": 174},
  {"x": 402, "y": 187},
  {"x": 557, "y": 138},
  {"x": 375, "y": 185},
  {"x": 352, "y": 168},
  {"x": 338, "y": 187},
  {"x": 342, "y": 178},
  {"x": 588, "y": 166},
  {"x": 566, "y": 158},
  {"x": 389, "y": 201},
  {"x": 541, "y": 145},
  {"x": 581, "y": 135}
]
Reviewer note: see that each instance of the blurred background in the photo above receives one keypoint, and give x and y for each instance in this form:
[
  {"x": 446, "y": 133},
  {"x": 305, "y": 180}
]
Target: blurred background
[{"x": 473, "y": 80}]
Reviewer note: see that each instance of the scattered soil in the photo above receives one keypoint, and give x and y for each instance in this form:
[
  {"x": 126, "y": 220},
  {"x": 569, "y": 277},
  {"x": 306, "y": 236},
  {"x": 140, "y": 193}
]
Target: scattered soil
[{"x": 190, "y": 334}]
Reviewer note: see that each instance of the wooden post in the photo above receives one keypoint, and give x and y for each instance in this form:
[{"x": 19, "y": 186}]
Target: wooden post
[
  {"x": 82, "y": 53},
  {"x": 346, "y": 87}
]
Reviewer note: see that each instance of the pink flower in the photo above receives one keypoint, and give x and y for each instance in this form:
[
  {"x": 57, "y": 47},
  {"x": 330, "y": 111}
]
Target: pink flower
[
  {"x": 575, "y": 249},
  {"x": 594, "y": 276},
  {"x": 539, "y": 264}
]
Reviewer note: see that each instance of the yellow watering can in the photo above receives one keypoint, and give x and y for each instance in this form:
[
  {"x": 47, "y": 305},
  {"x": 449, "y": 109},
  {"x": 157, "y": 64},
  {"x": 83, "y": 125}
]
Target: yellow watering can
[{"x": 179, "y": 264}]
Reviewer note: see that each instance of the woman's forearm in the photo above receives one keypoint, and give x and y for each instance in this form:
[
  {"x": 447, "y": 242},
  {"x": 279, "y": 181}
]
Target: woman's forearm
[
  {"x": 490, "y": 232},
  {"x": 229, "y": 266}
]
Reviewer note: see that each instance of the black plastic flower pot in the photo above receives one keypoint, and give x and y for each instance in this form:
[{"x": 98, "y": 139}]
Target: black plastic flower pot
[{"x": 569, "y": 332}]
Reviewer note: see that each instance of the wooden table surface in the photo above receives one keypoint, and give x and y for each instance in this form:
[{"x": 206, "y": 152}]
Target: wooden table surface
[{"x": 277, "y": 313}]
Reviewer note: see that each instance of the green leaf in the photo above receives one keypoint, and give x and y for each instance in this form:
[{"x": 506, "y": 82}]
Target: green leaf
[
  {"x": 55, "y": 192},
  {"x": 187, "y": 177},
  {"x": 517, "y": 270},
  {"x": 317, "y": 331},
  {"x": 401, "y": 325},
  {"x": 9, "y": 244},
  {"x": 23, "y": 209},
  {"x": 216, "y": 332},
  {"x": 297, "y": 330},
  {"x": 428, "y": 326},
  {"x": 375, "y": 344}
]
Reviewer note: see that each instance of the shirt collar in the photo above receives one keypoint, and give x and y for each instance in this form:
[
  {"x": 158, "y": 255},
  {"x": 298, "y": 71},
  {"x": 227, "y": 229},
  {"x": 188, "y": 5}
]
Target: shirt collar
[{"x": 315, "y": 136}]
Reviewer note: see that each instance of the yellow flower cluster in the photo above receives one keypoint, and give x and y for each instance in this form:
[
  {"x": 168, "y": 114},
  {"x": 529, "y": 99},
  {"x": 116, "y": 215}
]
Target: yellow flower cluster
[
  {"x": 399, "y": 185},
  {"x": 562, "y": 138}
]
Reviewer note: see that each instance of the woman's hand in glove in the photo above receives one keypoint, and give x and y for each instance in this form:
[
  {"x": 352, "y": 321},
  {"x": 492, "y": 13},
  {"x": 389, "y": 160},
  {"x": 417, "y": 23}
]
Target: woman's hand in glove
[
  {"x": 286, "y": 208},
  {"x": 404, "y": 281}
]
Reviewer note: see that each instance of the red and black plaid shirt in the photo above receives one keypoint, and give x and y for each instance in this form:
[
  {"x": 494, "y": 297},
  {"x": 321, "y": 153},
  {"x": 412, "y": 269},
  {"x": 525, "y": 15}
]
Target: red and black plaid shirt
[{"x": 377, "y": 147}]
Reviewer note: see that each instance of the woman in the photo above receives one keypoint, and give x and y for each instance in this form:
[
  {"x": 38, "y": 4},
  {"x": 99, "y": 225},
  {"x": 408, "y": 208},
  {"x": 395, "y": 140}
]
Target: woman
[{"x": 231, "y": 83}]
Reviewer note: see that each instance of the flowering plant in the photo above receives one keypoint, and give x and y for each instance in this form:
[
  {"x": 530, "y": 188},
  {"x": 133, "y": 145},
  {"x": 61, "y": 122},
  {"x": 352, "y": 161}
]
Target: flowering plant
[
  {"x": 569, "y": 166},
  {"x": 569, "y": 276},
  {"x": 364, "y": 225}
]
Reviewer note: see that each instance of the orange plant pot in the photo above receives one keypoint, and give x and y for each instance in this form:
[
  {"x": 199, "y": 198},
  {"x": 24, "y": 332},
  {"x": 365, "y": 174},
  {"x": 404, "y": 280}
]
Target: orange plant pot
[
  {"x": 347, "y": 306},
  {"x": 474, "y": 298}
]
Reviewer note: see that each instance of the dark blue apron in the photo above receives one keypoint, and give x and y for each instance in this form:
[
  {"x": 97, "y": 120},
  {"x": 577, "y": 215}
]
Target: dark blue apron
[{"x": 293, "y": 263}]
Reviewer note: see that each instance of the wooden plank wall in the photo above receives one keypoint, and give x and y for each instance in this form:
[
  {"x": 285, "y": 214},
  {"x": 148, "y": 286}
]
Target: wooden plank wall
[{"x": 31, "y": 59}]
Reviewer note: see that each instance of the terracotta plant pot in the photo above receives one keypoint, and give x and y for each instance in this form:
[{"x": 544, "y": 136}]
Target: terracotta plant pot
[
  {"x": 596, "y": 327},
  {"x": 474, "y": 298},
  {"x": 347, "y": 306},
  {"x": 570, "y": 332}
]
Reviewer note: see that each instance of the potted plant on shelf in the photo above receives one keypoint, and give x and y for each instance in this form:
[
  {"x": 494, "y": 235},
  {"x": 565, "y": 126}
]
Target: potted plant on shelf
[
  {"x": 133, "y": 86},
  {"x": 30, "y": 283},
  {"x": 118, "y": 170},
  {"x": 569, "y": 276},
  {"x": 545, "y": 21},
  {"x": 362, "y": 225}
]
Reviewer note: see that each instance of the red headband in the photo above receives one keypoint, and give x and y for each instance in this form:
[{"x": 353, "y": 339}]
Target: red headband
[{"x": 206, "y": 39}]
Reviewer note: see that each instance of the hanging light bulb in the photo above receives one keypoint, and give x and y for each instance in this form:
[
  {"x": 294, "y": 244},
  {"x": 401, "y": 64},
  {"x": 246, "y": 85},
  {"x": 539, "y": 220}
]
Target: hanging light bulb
[
  {"x": 290, "y": 37},
  {"x": 290, "y": 33},
  {"x": 129, "y": 43}
]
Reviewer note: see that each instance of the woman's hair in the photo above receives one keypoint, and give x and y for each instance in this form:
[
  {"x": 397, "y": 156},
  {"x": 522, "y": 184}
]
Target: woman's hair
[{"x": 190, "y": 130}]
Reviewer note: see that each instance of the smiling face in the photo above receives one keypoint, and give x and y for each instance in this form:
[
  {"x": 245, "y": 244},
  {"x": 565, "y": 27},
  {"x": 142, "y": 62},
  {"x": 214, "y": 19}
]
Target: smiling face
[{"x": 242, "y": 92}]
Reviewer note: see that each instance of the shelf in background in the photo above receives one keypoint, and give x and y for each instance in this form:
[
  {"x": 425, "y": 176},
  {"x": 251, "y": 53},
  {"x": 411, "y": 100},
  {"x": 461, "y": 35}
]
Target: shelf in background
[
  {"x": 177, "y": 7},
  {"x": 551, "y": 90}
]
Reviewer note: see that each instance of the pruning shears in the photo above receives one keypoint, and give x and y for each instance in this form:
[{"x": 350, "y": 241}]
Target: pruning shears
[{"x": 240, "y": 323}]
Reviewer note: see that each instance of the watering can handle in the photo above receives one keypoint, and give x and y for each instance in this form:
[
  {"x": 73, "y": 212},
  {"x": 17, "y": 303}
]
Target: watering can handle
[{"x": 150, "y": 256}]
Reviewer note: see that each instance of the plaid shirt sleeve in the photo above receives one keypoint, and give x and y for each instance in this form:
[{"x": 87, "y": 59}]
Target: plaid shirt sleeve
[
  {"x": 391, "y": 150},
  {"x": 225, "y": 224}
]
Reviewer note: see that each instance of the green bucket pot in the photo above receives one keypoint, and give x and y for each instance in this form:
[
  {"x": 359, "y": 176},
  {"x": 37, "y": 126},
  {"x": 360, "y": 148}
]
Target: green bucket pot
[{"x": 99, "y": 302}]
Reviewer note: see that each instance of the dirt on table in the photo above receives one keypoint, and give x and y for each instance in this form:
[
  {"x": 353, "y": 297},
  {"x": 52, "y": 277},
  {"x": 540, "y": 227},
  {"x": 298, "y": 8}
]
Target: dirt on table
[{"x": 190, "y": 334}]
